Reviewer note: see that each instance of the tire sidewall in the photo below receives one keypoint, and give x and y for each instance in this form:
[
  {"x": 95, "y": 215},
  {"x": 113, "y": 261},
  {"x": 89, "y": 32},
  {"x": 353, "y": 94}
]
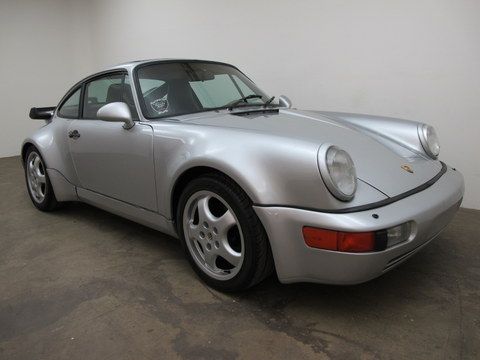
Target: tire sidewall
[
  {"x": 245, "y": 275},
  {"x": 46, "y": 203}
]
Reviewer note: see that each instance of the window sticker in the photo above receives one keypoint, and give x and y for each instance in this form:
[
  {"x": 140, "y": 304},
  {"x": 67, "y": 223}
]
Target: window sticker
[{"x": 160, "y": 106}]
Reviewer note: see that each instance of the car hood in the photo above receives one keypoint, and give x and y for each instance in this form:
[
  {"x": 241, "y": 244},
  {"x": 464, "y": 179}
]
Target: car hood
[{"x": 378, "y": 160}]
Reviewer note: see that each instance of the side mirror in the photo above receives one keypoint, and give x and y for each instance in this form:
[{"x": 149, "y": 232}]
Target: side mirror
[
  {"x": 116, "y": 112},
  {"x": 42, "y": 113},
  {"x": 284, "y": 101}
]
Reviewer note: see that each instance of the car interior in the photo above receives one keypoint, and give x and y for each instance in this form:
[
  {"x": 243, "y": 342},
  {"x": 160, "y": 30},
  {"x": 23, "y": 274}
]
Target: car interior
[{"x": 121, "y": 92}]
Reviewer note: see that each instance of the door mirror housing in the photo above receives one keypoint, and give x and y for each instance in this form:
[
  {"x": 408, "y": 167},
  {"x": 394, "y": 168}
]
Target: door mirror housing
[
  {"x": 42, "y": 113},
  {"x": 116, "y": 112},
  {"x": 284, "y": 101}
]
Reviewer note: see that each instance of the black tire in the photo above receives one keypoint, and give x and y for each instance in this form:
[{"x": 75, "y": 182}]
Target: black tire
[
  {"x": 258, "y": 260},
  {"x": 49, "y": 202}
]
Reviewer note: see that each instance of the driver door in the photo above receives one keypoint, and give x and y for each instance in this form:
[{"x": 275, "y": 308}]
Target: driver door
[{"x": 108, "y": 159}]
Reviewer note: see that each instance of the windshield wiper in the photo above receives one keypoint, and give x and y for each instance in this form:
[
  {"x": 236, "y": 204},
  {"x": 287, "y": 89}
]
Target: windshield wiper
[
  {"x": 269, "y": 101},
  {"x": 244, "y": 99}
]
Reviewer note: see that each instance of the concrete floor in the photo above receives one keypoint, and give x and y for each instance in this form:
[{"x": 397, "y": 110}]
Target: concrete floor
[{"x": 84, "y": 284}]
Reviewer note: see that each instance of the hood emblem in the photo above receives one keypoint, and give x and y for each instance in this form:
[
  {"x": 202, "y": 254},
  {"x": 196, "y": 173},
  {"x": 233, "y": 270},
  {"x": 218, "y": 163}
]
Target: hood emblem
[{"x": 407, "y": 168}]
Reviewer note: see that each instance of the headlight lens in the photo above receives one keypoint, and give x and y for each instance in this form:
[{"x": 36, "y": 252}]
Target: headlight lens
[
  {"x": 338, "y": 172},
  {"x": 429, "y": 140}
]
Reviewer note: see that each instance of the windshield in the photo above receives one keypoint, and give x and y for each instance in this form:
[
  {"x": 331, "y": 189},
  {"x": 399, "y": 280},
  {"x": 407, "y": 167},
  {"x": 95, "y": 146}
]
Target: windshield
[{"x": 170, "y": 89}]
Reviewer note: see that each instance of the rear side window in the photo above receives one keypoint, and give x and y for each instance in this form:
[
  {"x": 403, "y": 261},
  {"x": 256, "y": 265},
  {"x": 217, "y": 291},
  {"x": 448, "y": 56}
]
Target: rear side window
[
  {"x": 105, "y": 90},
  {"x": 71, "y": 107}
]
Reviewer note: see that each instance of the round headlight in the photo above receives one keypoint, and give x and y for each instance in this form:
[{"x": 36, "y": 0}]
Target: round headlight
[
  {"x": 338, "y": 172},
  {"x": 429, "y": 140}
]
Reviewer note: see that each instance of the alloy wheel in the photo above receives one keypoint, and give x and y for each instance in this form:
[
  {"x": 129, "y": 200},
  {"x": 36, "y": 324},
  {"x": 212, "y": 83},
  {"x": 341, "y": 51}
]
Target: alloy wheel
[
  {"x": 36, "y": 176},
  {"x": 213, "y": 235}
]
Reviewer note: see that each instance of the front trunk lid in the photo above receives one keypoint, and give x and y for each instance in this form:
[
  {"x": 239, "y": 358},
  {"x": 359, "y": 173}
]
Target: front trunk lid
[{"x": 388, "y": 166}]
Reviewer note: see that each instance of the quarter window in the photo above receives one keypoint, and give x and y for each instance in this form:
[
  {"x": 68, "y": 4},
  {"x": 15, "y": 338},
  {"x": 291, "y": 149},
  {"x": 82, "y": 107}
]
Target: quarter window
[{"x": 70, "y": 108}]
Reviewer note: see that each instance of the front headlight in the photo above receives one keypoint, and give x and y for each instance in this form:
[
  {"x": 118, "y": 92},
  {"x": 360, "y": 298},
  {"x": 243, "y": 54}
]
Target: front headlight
[
  {"x": 337, "y": 171},
  {"x": 429, "y": 140}
]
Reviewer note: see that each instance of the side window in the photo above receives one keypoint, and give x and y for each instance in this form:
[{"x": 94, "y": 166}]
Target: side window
[
  {"x": 105, "y": 90},
  {"x": 70, "y": 108}
]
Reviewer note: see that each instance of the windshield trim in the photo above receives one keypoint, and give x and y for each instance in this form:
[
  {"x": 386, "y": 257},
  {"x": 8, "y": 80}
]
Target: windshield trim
[{"x": 138, "y": 91}]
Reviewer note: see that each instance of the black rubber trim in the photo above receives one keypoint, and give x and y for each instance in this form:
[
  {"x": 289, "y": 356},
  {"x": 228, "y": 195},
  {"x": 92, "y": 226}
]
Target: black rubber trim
[
  {"x": 381, "y": 240},
  {"x": 375, "y": 204},
  {"x": 253, "y": 111}
]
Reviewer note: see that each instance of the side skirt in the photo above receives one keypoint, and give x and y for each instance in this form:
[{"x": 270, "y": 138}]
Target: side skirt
[{"x": 128, "y": 211}]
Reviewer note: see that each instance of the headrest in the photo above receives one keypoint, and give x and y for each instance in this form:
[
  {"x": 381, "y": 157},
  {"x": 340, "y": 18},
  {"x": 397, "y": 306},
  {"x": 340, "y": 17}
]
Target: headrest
[{"x": 114, "y": 93}]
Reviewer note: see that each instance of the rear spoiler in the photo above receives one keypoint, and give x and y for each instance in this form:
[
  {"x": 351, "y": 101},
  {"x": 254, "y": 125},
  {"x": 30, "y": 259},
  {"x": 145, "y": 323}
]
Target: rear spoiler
[{"x": 42, "y": 113}]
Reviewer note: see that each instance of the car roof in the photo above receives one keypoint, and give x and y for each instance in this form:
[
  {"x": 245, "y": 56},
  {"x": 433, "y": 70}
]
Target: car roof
[{"x": 132, "y": 64}]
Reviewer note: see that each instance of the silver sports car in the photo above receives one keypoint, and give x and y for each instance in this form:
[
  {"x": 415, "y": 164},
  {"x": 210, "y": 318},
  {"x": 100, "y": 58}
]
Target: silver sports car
[{"x": 250, "y": 185}]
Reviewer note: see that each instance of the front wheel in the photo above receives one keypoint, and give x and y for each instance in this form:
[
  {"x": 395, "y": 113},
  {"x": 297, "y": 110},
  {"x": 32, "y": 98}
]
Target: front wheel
[
  {"x": 221, "y": 234},
  {"x": 38, "y": 184}
]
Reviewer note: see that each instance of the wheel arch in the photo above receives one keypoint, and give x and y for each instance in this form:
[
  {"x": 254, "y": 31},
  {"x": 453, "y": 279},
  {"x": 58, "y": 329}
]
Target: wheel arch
[
  {"x": 62, "y": 188},
  {"x": 188, "y": 175},
  {"x": 25, "y": 146}
]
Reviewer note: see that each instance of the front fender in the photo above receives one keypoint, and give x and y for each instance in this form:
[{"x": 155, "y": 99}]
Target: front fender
[{"x": 272, "y": 170}]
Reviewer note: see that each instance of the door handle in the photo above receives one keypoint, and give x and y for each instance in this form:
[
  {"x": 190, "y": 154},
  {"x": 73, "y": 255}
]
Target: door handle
[{"x": 74, "y": 134}]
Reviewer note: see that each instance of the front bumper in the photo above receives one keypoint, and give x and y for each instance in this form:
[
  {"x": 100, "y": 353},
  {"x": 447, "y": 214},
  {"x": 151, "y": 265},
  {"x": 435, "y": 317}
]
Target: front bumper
[{"x": 430, "y": 210}]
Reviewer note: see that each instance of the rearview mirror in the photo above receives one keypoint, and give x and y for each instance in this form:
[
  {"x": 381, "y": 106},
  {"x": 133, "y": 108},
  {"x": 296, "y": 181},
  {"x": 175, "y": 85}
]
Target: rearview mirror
[
  {"x": 116, "y": 112},
  {"x": 284, "y": 102},
  {"x": 204, "y": 74}
]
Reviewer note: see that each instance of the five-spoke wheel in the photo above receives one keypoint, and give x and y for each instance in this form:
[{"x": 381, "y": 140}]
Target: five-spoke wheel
[
  {"x": 222, "y": 236},
  {"x": 36, "y": 179},
  {"x": 38, "y": 183},
  {"x": 214, "y": 236}
]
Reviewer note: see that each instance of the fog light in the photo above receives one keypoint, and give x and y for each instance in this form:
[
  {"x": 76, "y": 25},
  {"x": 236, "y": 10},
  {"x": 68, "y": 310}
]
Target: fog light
[{"x": 398, "y": 234}]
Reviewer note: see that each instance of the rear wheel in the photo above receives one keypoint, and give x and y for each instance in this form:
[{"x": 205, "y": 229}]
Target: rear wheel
[
  {"x": 38, "y": 183},
  {"x": 221, "y": 234}
]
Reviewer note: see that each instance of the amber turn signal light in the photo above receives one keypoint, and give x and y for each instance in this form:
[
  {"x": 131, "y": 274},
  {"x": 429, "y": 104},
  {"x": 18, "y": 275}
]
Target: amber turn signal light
[{"x": 339, "y": 240}]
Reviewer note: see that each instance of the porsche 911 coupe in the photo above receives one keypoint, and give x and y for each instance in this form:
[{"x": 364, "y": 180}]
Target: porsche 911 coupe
[{"x": 249, "y": 185}]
